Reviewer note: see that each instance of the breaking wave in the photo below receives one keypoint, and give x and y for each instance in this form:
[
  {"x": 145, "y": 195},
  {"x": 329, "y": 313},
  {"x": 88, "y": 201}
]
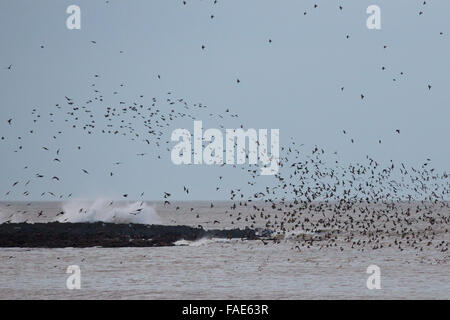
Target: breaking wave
[
  {"x": 200, "y": 242},
  {"x": 105, "y": 210}
]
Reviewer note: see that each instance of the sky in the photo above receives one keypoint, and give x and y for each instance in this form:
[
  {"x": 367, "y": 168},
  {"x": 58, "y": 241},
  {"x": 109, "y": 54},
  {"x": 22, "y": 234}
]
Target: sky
[{"x": 292, "y": 83}]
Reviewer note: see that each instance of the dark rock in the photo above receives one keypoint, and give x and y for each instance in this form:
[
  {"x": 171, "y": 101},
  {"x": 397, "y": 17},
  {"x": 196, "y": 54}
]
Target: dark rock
[{"x": 58, "y": 235}]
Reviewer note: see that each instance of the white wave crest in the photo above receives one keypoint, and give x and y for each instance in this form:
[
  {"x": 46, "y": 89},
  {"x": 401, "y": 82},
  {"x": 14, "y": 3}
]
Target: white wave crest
[
  {"x": 200, "y": 242},
  {"x": 105, "y": 210}
]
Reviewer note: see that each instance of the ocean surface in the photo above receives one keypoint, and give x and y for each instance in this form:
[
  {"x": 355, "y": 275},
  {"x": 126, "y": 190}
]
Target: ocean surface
[{"x": 215, "y": 268}]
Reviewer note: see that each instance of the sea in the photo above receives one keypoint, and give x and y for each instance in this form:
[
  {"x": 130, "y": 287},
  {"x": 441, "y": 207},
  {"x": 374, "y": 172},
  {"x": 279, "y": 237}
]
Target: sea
[{"x": 211, "y": 268}]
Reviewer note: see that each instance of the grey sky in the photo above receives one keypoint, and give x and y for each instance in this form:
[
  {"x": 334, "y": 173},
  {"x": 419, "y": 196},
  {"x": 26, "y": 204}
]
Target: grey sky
[{"x": 293, "y": 83}]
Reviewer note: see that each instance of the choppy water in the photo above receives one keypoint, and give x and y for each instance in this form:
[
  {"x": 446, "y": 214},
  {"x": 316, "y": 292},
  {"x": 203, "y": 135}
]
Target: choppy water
[{"x": 222, "y": 269}]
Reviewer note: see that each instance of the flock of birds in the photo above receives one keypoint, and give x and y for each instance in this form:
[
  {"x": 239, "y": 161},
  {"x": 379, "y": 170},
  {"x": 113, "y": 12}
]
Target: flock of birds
[{"x": 366, "y": 205}]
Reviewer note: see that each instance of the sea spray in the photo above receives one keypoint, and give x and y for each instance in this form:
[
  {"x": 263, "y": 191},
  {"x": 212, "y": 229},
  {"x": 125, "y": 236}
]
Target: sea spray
[
  {"x": 105, "y": 210},
  {"x": 11, "y": 215}
]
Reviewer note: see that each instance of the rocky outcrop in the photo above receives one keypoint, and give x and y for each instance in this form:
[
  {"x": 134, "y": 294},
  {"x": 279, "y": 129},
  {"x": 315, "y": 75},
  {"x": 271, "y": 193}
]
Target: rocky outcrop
[{"x": 59, "y": 235}]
